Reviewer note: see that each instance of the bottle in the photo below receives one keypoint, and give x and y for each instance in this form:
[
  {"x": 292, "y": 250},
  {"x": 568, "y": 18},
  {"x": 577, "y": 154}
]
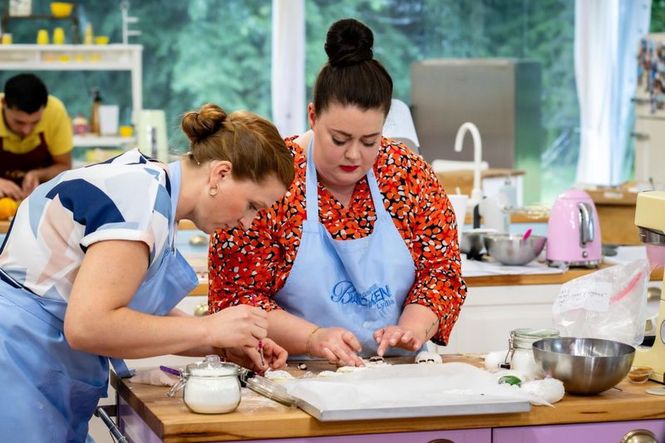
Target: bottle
[
  {"x": 94, "y": 112},
  {"x": 88, "y": 35}
]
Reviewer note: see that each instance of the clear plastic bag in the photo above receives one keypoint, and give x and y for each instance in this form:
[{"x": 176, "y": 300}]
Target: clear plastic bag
[{"x": 609, "y": 304}]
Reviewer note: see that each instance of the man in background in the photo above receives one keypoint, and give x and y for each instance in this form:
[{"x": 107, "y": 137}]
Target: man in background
[{"x": 35, "y": 136}]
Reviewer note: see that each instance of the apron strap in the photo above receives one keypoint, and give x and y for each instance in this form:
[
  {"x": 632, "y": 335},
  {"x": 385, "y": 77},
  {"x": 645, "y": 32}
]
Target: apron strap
[{"x": 120, "y": 368}]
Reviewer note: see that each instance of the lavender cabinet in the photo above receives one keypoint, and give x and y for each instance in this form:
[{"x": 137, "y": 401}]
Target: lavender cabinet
[{"x": 610, "y": 432}]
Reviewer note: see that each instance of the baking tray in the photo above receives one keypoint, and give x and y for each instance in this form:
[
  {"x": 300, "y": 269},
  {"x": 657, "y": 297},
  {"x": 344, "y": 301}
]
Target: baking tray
[
  {"x": 407, "y": 391},
  {"x": 483, "y": 406}
]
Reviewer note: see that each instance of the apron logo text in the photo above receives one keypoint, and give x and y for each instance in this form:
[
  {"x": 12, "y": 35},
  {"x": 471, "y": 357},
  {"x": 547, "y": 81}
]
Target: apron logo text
[{"x": 376, "y": 297}]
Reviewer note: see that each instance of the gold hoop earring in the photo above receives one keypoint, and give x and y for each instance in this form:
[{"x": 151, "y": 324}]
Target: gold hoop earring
[{"x": 212, "y": 191}]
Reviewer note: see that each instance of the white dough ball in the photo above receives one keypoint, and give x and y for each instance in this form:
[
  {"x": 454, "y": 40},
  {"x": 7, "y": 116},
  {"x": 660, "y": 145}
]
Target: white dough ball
[
  {"x": 494, "y": 359},
  {"x": 549, "y": 389},
  {"x": 348, "y": 369},
  {"x": 428, "y": 357},
  {"x": 277, "y": 375}
]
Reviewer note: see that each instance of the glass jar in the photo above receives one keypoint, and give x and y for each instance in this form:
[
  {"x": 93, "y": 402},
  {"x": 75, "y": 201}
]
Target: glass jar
[
  {"x": 520, "y": 351},
  {"x": 210, "y": 387}
]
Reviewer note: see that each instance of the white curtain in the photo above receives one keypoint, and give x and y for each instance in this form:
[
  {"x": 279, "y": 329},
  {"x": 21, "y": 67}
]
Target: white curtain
[
  {"x": 288, "y": 66},
  {"x": 607, "y": 34}
]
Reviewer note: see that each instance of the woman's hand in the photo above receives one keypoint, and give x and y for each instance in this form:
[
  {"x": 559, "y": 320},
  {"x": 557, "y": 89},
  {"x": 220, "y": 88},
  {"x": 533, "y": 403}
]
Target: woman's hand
[
  {"x": 237, "y": 326},
  {"x": 338, "y": 345},
  {"x": 274, "y": 356},
  {"x": 396, "y": 336}
]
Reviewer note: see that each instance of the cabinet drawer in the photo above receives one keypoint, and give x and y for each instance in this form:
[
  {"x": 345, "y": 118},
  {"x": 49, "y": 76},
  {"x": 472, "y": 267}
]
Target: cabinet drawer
[{"x": 611, "y": 432}]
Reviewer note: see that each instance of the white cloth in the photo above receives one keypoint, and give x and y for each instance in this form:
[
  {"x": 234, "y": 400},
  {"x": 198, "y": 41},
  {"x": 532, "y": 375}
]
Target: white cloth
[
  {"x": 288, "y": 66},
  {"x": 607, "y": 33}
]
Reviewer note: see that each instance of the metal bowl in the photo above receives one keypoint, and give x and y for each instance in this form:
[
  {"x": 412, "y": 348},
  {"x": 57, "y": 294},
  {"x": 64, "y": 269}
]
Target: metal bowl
[
  {"x": 585, "y": 365},
  {"x": 510, "y": 249},
  {"x": 473, "y": 244}
]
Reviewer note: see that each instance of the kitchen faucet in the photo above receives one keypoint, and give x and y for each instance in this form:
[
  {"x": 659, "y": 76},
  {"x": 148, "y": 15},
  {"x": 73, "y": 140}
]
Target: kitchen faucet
[{"x": 476, "y": 193}]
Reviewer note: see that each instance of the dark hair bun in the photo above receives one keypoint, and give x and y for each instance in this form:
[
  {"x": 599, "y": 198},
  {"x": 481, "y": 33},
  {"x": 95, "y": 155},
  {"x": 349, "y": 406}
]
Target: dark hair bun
[
  {"x": 349, "y": 42},
  {"x": 199, "y": 125}
]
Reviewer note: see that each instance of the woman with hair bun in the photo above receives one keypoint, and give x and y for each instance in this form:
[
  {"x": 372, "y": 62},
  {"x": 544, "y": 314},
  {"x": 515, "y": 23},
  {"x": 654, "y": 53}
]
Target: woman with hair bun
[
  {"x": 374, "y": 267},
  {"x": 101, "y": 276}
]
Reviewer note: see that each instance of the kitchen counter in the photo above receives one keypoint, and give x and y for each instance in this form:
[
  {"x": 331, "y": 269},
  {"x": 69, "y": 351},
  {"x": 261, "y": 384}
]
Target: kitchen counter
[
  {"x": 498, "y": 280},
  {"x": 147, "y": 411}
]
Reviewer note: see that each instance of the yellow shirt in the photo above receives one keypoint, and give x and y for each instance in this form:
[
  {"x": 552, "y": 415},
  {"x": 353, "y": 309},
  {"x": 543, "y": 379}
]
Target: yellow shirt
[{"x": 55, "y": 125}]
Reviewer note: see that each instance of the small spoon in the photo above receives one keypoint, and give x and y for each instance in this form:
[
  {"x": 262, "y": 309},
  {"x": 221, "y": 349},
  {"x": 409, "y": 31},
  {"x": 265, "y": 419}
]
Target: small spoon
[{"x": 527, "y": 234}]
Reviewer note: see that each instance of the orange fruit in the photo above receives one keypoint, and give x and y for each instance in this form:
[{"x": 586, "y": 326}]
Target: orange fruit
[{"x": 8, "y": 207}]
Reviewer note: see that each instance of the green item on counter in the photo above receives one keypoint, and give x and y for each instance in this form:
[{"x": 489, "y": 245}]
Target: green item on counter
[{"x": 511, "y": 380}]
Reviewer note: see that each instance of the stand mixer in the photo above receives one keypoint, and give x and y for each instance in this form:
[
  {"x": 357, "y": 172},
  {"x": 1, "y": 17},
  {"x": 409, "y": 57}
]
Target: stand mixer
[{"x": 649, "y": 219}]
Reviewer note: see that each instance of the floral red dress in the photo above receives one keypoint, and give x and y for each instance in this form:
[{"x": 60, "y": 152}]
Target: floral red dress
[{"x": 249, "y": 267}]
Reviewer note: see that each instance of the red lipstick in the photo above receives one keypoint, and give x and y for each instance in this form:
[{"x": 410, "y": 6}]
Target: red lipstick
[{"x": 348, "y": 168}]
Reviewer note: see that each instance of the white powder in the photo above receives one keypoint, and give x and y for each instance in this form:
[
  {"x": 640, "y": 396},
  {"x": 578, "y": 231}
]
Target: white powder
[{"x": 212, "y": 391}]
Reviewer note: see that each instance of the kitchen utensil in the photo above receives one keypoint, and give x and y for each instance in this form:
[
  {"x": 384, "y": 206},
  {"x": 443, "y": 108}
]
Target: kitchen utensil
[
  {"x": 513, "y": 250},
  {"x": 170, "y": 371},
  {"x": 61, "y": 9},
  {"x": 266, "y": 387},
  {"x": 472, "y": 243},
  {"x": 649, "y": 211},
  {"x": 527, "y": 234},
  {"x": 573, "y": 232},
  {"x": 585, "y": 365}
]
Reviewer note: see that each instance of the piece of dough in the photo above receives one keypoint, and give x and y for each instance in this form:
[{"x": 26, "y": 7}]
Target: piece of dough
[
  {"x": 278, "y": 375},
  {"x": 550, "y": 389},
  {"x": 428, "y": 357},
  {"x": 348, "y": 369}
]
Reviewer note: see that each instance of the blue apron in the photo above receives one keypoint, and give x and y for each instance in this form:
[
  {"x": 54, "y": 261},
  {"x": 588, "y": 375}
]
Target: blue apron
[
  {"x": 358, "y": 284},
  {"x": 49, "y": 390}
]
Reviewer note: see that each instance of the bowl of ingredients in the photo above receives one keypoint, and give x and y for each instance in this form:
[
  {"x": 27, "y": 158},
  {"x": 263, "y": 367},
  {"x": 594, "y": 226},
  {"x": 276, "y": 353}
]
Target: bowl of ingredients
[
  {"x": 61, "y": 9},
  {"x": 514, "y": 250},
  {"x": 586, "y": 366}
]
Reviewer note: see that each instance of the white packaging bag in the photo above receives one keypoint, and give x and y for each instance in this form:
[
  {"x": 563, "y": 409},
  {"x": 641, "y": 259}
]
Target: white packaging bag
[{"x": 608, "y": 304}]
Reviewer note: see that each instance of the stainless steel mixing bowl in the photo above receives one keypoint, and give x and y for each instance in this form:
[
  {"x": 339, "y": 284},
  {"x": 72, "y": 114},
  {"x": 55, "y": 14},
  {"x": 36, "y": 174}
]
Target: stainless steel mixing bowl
[
  {"x": 473, "y": 244},
  {"x": 585, "y": 365},
  {"x": 510, "y": 249}
]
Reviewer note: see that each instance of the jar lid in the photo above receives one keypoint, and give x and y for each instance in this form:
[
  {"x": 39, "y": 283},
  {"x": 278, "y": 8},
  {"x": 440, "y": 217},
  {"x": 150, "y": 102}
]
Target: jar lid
[
  {"x": 212, "y": 366},
  {"x": 525, "y": 337}
]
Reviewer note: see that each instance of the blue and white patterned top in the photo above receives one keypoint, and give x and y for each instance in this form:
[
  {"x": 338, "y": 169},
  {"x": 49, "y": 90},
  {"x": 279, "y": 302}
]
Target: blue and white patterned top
[{"x": 124, "y": 198}]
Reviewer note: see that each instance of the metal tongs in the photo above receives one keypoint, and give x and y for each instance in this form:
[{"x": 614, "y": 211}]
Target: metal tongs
[{"x": 265, "y": 387}]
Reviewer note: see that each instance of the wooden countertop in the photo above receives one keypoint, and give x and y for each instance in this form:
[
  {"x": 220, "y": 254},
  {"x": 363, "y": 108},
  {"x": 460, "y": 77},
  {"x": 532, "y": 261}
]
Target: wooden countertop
[
  {"x": 499, "y": 280},
  {"x": 259, "y": 418}
]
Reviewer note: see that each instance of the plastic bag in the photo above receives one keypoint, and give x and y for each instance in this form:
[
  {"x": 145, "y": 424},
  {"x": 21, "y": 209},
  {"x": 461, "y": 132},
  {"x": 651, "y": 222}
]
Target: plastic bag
[
  {"x": 609, "y": 304},
  {"x": 154, "y": 376}
]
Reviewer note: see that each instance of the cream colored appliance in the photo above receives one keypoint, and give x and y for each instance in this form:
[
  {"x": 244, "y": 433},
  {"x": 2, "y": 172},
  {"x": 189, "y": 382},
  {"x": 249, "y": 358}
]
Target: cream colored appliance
[{"x": 651, "y": 223}]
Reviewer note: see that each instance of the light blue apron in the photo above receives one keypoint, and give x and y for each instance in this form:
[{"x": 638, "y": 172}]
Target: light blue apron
[
  {"x": 50, "y": 391},
  {"x": 358, "y": 284}
]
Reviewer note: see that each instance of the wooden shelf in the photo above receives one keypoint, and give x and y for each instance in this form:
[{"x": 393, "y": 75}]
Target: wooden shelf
[
  {"x": 103, "y": 141},
  {"x": 113, "y": 57},
  {"x": 73, "y": 18}
]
